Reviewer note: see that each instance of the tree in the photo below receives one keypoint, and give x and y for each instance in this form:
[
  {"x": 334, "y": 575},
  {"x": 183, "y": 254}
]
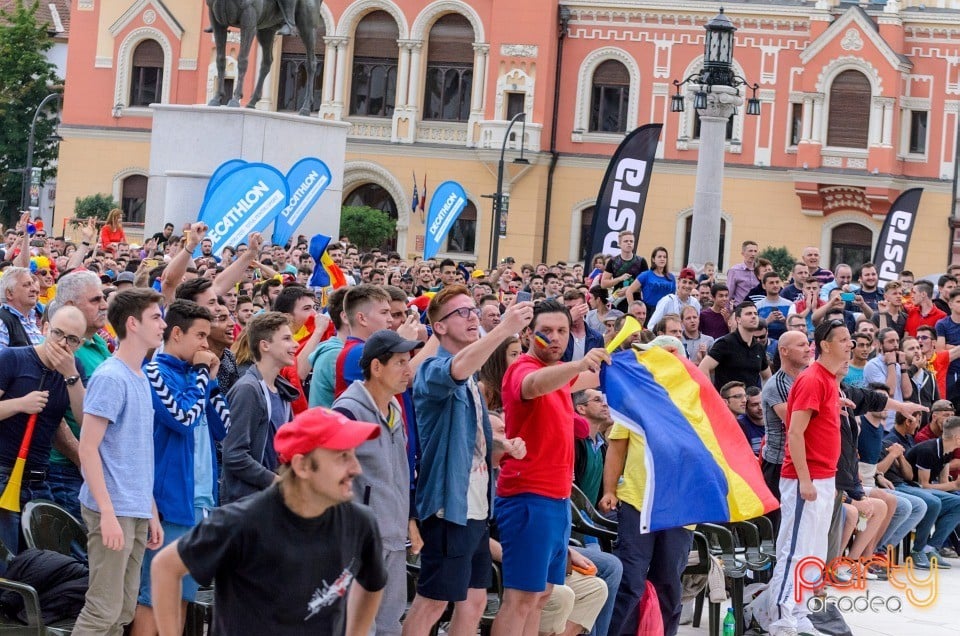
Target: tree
[
  {"x": 782, "y": 260},
  {"x": 367, "y": 227},
  {"x": 95, "y": 205},
  {"x": 26, "y": 77}
]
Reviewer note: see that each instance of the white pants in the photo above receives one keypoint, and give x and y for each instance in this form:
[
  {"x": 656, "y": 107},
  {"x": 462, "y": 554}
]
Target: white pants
[{"x": 804, "y": 530}]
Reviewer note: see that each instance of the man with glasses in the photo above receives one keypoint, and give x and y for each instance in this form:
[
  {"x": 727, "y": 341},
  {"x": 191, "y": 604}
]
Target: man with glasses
[
  {"x": 82, "y": 290},
  {"x": 453, "y": 487},
  {"x": 40, "y": 381}
]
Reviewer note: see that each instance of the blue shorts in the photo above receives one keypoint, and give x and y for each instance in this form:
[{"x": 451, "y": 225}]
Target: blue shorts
[
  {"x": 454, "y": 559},
  {"x": 534, "y": 533},
  {"x": 171, "y": 532}
]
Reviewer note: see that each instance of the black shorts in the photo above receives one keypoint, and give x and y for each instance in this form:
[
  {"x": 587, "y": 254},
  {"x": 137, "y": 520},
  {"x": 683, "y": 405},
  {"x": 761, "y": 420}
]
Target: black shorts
[{"x": 454, "y": 559}]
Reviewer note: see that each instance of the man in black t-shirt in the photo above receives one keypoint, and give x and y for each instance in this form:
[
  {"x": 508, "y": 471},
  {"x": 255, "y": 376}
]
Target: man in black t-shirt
[
  {"x": 737, "y": 356},
  {"x": 285, "y": 559}
]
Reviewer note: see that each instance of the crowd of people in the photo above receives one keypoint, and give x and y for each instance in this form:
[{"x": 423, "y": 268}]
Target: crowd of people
[{"x": 215, "y": 418}]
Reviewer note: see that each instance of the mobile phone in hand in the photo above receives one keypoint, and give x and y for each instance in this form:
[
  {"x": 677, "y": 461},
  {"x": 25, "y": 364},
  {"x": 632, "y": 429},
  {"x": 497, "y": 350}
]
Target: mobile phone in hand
[{"x": 524, "y": 296}]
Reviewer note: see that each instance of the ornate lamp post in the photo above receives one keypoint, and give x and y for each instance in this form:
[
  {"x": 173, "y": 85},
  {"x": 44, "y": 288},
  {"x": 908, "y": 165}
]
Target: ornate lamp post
[
  {"x": 716, "y": 96},
  {"x": 26, "y": 198}
]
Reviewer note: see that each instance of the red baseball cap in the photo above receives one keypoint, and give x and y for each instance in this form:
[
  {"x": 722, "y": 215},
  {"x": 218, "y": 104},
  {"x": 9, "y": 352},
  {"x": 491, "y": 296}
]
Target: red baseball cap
[
  {"x": 689, "y": 273},
  {"x": 321, "y": 428}
]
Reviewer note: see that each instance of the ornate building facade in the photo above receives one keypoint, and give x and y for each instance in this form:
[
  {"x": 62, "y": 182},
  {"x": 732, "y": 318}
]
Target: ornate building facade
[{"x": 858, "y": 103}]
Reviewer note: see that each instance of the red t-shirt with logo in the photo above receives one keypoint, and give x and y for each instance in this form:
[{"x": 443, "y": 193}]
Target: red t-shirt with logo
[
  {"x": 816, "y": 389},
  {"x": 546, "y": 425}
]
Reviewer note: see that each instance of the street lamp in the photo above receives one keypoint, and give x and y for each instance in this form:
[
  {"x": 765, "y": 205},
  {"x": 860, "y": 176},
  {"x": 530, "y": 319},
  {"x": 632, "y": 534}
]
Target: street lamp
[
  {"x": 716, "y": 97},
  {"x": 498, "y": 195},
  {"x": 717, "y": 68},
  {"x": 28, "y": 171}
]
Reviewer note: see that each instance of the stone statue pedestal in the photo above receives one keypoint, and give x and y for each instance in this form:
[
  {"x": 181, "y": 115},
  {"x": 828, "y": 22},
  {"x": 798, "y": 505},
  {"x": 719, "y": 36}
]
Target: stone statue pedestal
[{"x": 188, "y": 143}]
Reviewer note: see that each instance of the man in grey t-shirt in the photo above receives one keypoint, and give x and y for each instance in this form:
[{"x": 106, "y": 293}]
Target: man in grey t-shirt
[{"x": 795, "y": 355}]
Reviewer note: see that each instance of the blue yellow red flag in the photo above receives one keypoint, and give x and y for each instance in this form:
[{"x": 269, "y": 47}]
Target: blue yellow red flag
[
  {"x": 699, "y": 465},
  {"x": 326, "y": 273}
]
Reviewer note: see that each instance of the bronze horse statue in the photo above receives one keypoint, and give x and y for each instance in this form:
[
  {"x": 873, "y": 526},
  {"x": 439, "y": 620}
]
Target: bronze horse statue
[{"x": 262, "y": 18}]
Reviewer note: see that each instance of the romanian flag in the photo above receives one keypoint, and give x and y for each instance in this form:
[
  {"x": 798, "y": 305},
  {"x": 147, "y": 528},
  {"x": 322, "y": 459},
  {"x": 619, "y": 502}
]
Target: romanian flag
[
  {"x": 699, "y": 465},
  {"x": 326, "y": 273}
]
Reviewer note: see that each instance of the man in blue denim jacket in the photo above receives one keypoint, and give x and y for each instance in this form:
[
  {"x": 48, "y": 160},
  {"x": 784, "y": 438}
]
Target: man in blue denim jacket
[{"x": 453, "y": 487}]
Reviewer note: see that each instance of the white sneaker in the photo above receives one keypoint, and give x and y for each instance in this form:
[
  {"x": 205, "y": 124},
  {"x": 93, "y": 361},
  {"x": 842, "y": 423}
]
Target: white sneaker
[
  {"x": 806, "y": 628},
  {"x": 783, "y": 631},
  {"x": 686, "y": 614}
]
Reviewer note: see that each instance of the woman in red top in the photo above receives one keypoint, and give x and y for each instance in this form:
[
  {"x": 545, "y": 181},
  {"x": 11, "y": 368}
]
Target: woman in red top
[{"x": 112, "y": 231}]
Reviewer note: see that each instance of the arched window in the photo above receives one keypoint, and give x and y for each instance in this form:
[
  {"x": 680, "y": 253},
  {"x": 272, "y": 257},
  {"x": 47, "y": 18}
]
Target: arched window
[
  {"x": 133, "y": 198},
  {"x": 462, "y": 237},
  {"x": 848, "y": 121},
  {"x": 850, "y": 243},
  {"x": 373, "y": 90},
  {"x": 293, "y": 72},
  {"x": 374, "y": 196},
  {"x": 449, "y": 77},
  {"x": 146, "y": 80},
  {"x": 586, "y": 238},
  {"x": 609, "y": 98},
  {"x": 687, "y": 229}
]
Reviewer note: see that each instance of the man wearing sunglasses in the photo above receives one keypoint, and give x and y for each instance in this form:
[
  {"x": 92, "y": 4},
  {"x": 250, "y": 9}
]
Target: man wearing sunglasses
[{"x": 41, "y": 380}]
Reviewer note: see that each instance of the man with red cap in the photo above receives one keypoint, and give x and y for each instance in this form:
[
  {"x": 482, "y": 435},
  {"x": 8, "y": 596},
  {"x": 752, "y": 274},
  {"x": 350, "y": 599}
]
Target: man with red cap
[{"x": 285, "y": 559}]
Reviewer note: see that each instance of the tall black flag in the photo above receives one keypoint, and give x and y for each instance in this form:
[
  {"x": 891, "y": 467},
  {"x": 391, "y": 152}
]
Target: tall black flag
[
  {"x": 891, "y": 255},
  {"x": 623, "y": 192}
]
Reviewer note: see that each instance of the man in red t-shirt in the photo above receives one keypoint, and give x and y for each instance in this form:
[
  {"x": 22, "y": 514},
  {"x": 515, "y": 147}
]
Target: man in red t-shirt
[
  {"x": 533, "y": 493},
  {"x": 807, "y": 485},
  {"x": 923, "y": 311}
]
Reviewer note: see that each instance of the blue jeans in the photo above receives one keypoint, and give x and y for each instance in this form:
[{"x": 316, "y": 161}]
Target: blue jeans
[
  {"x": 658, "y": 556},
  {"x": 610, "y": 570},
  {"x": 31, "y": 488},
  {"x": 910, "y": 511},
  {"x": 946, "y": 516},
  {"x": 65, "y": 481}
]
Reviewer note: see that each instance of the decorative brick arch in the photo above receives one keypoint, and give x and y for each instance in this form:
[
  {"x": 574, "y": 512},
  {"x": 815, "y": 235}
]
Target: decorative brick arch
[
  {"x": 585, "y": 82},
  {"x": 357, "y": 10},
  {"x": 119, "y": 177},
  {"x": 125, "y": 63},
  {"x": 430, "y": 13},
  {"x": 576, "y": 222},
  {"x": 358, "y": 173},
  {"x": 849, "y": 63},
  {"x": 678, "y": 246}
]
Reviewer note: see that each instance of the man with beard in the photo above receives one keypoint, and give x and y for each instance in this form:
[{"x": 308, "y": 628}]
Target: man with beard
[
  {"x": 736, "y": 356},
  {"x": 539, "y": 409}
]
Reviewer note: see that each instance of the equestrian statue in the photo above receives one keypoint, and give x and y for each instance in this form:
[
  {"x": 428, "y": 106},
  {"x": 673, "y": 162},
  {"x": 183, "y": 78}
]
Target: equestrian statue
[{"x": 263, "y": 19}]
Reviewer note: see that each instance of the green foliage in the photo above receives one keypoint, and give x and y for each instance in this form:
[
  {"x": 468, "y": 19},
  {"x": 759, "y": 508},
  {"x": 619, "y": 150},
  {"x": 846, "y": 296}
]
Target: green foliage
[
  {"x": 26, "y": 77},
  {"x": 367, "y": 227},
  {"x": 95, "y": 205},
  {"x": 782, "y": 260}
]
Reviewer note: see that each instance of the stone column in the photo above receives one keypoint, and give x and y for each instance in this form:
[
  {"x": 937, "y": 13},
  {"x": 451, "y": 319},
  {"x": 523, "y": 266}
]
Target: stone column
[
  {"x": 329, "y": 69},
  {"x": 708, "y": 196},
  {"x": 413, "y": 94},
  {"x": 334, "y": 72},
  {"x": 886, "y": 137},
  {"x": 817, "y": 133},
  {"x": 807, "y": 119},
  {"x": 403, "y": 72},
  {"x": 876, "y": 122},
  {"x": 478, "y": 91}
]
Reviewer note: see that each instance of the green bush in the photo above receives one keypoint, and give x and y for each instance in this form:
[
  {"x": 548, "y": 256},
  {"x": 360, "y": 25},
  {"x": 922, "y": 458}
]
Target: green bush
[
  {"x": 782, "y": 261},
  {"x": 95, "y": 205},
  {"x": 367, "y": 227}
]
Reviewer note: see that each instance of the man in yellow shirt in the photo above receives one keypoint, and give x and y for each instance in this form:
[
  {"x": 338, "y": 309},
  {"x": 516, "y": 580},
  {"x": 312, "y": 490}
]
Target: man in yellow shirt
[{"x": 658, "y": 556}]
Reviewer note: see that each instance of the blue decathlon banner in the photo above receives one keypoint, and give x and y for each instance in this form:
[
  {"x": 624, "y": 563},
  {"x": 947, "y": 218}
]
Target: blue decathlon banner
[
  {"x": 449, "y": 200},
  {"x": 306, "y": 180},
  {"x": 246, "y": 200},
  {"x": 222, "y": 170}
]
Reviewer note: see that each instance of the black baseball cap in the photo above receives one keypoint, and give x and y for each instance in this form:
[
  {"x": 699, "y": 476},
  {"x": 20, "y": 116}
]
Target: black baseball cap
[{"x": 383, "y": 342}]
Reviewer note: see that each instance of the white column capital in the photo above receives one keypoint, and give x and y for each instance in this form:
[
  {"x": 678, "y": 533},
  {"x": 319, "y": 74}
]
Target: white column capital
[
  {"x": 481, "y": 48},
  {"x": 410, "y": 45},
  {"x": 339, "y": 41}
]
